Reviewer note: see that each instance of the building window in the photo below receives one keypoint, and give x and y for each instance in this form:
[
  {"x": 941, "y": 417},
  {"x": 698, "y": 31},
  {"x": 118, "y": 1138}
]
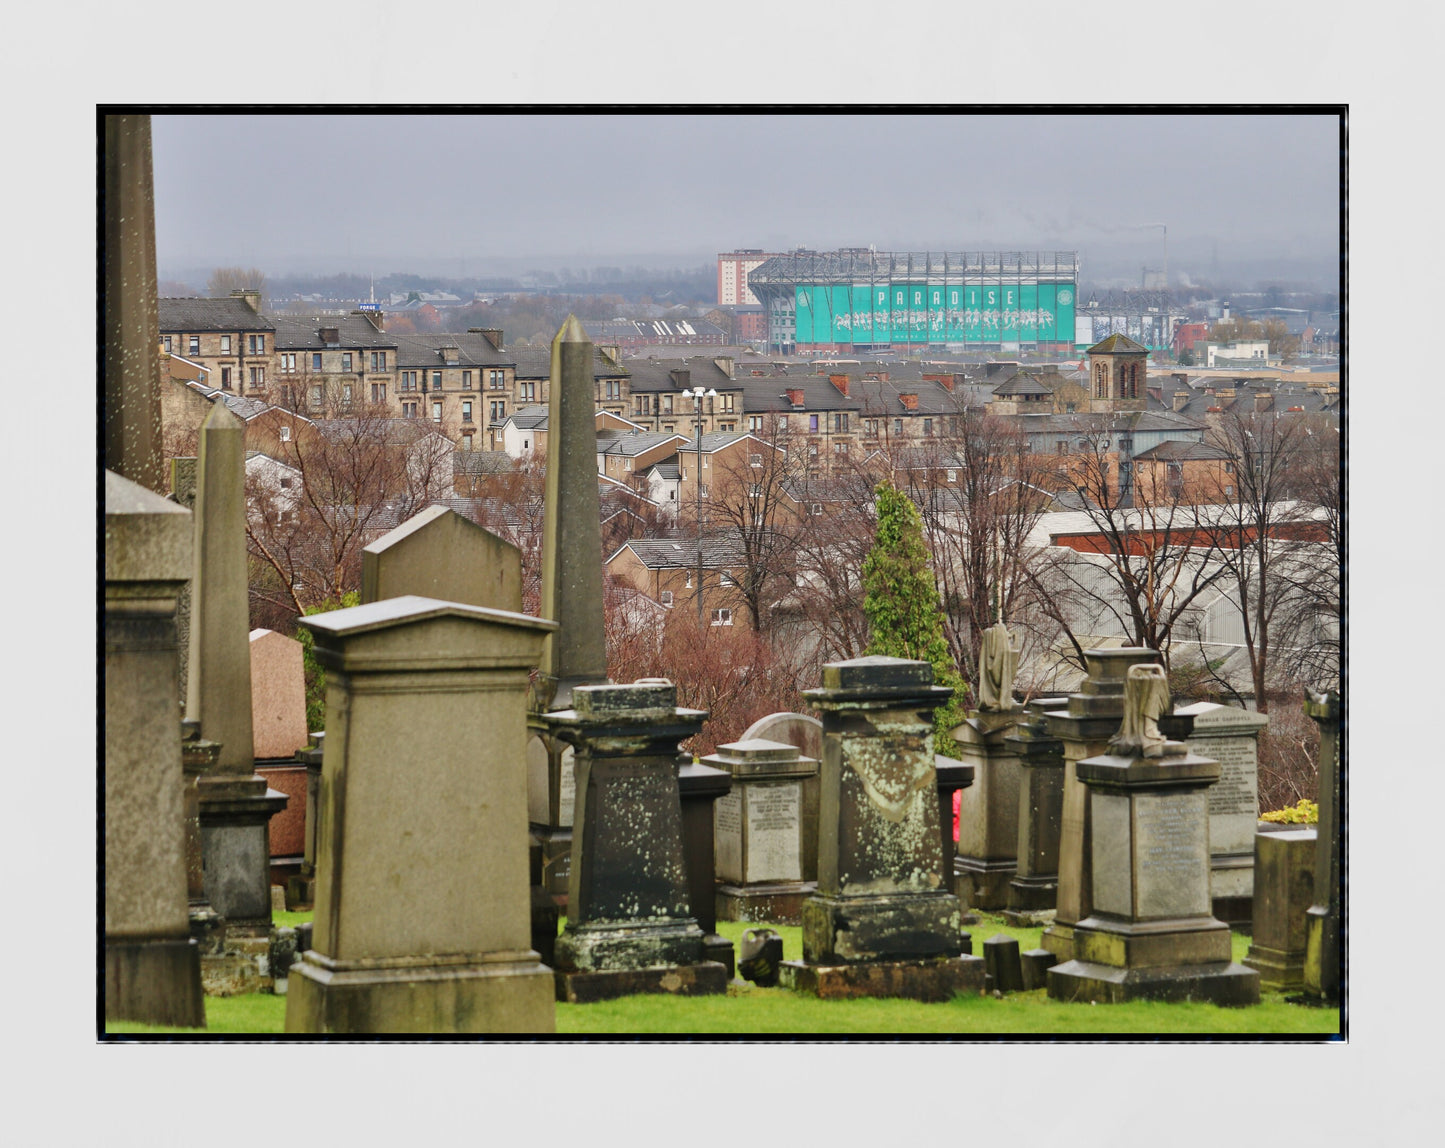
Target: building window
[
  {"x": 755, "y": 490},
  {"x": 755, "y": 422},
  {"x": 285, "y": 437},
  {"x": 408, "y": 380},
  {"x": 166, "y": 343},
  {"x": 667, "y": 597},
  {"x": 687, "y": 581},
  {"x": 725, "y": 579},
  {"x": 378, "y": 360},
  {"x": 529, "y": 392},
  {"x": 840, "y": 422},
  {"x": 194, "y": 345},
  {"x": 436, "y": 380},
  {"x": 288, "y": 362},
  {"x": 315, "y": 360},
  {"x": 898, "y": 426},
  {"x": 840, "y": 448},
  {"x": 258, "y": 377},
  {"x": 408, "y": 410},
  {"x": 927, "y": 428},
  {"x": 255, "y": 344},
  {"x": 812, "y": 424},
  {"x": 722, "y": 617},
  {"x": 225, "y": 378},
  {"x": 870, "y": 428},
  {"x": 667, "y": 405},
  {"x": 346, "y": 394},
  {"x": 346, "y": 361},
  {"x": 704, "y": 490},
  {"x": 318, "y": 393},
  {"x": 466, "y": 412},
  {"x": 496, "y": 380},
  {"x": 378, "y": 392},
  {"x": 466, "y": 380},
  {"x": 614, "y": 389},
  {"x": 952, "y": 475},
  {"x": 755, "y": 460},
  {"x": 815, "y": 508},
  {"x": 225, "y": 344},
  {"x": 727, "y": 403},
  {"x": 1062, "y": 446},
  {"x": 499, "y": 412},
  {"x": 436, "y": 412},
  {"x": 783, "y": 424}
]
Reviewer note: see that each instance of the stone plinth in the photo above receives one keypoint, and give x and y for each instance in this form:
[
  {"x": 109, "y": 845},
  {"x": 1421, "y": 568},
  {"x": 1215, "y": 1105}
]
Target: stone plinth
[
  {"x": 439, "y": 554},
  {"x": 152, "y": 966},
  {"x": 1324, "y": 954},
  {"x": 628, "y": 899},
  {"x": 1034, "y": 889},
  {"x": 764, "y": 830},
  {"x": 278, "y": 696},
  {"x": 805, "y": 732},
  {"x": 301, "y": 889},
  {"x": 423, "y": 919},
  {"x": 1230, "y": 736},
  {"x": 699, "y": 787},
  {"x": 1085, "y": 727},
  {"x": 1284, "y": 878},
  {"x": 883, "y": 897},
  {"x": 988, "y": 812},
  {"x": 1150, "y": 933},
  {"x": 953, "y": 776}
]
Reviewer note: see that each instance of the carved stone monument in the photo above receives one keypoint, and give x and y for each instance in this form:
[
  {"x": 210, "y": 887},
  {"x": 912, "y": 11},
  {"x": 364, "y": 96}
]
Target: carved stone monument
[
  {"x": 629, "y": 926},
  {"x": 1034, "y": 889},
  {"x": 883, "y": 921},
  {"x": 301, "y": 889},
  {"x": 1150, "y": 933},
  {"x": 439, "y": 554},
  {"x": 1284, "y": 882},
  {"x": 152, "y": 965},
  {"x": 1324, "y": 956},
  {"x": 422, "y": 908},
  {"x": 806, "y": 733},
  {"x": 763, "y": 832}
]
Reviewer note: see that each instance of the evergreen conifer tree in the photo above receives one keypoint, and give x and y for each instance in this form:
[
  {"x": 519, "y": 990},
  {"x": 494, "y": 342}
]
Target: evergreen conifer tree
[{"x": 901, "y": 602}]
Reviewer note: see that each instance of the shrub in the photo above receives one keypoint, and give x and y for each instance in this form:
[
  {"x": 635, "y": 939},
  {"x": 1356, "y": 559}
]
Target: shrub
[
  {"x": 315, "y": 675},
  {"x": 1303, "y": 812}
]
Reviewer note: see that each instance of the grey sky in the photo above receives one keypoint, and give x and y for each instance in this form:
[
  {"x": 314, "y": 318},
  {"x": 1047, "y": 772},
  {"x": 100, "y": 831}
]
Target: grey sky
[{"x": 403, "y": 192}]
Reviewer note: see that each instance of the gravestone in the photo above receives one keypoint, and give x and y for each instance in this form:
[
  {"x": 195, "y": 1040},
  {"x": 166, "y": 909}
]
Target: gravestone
[
  {"x": 439, "y": 554},
  {"x": 762, "y": 832},
  {"x": 883, "y": 921},
  {"x": 806, "y": 732},
  {"x": 301, "y": 888},
  {"x": 236, "y": 803},
  {"x": 278, "y": 731},
  {"x": 152, "y": 965},
  {"x": 953, "y": 777},
  {"x": 183, "y": 490},
  {"x": 1034, "y": 889},
  {"x": 1150, "y": 933},
  {"x": 1003, "y": 965},
  {"x": 208, "y": 928},
  {"x": 1324, "y": 950},
  {"x": 1091, "y": 718},
  {"x": 699, "y": 787},
  {"x": 1284, "y": 873},
  {"x": 629, "y": 927},
  {"x": 1230, "y": 736},
  {"x": 422, "y": 911},
  {"x": 571, "y": 594}
]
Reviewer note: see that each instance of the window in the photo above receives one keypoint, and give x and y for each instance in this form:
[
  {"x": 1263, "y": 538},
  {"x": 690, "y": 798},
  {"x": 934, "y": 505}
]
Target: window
[
  {"x": 467, "y": 412},
  {"x": 436, "y": 412},
  {"x": 318, "y": 393},
  {"x": 840, "y": 422},
  {"x": 408, "y": 380},
  {"x": 952, "y": 475},
  {"x": 315, "y": 360},
  {"x": 813, "y": 450},
  {"x": 285, "y": 437},
  {"x": 755, "y": 422},
  {"x": 667, "y": 597},
  {"x": 285, "y": 482},
  {"x": 466, "y": 380},
  {"x": 870, "y": 428},
  {"x": 687, "y": 584},
  {"x": 727, "y": 402},
  {"x": 258, "y": 377},
  {"x": 496, "y": 379},
  {"x": 644, "y": 404},
  {"x": 378, "y": 360},
  {"x": 225, "y": 378},
  {"x": 755, "y": 460},
  {"x": 667, "y": 406},
  {"x": 408, "y": 410},
  {"x": 499, "y": 412},
  {"x": 346, "y": 361},
  {"x": 378, "y": 392},
  {"x": 225, "y": 344},
  {"x": 704, "y": 490},
  {"x": 194, "y": 345},
  {"x": 166, "y": 342},
  {"x": 755, "y": 490},
  {"x": 346, "y": 394},
  {"x": 727, "y": 426},
  {"x": 927, "y": 428},
  {"x": 1062, "y": 446},
  {"x": 783, "y": 423},
  {"x": 815, "y": 508},
  {"x": 466, "y": 442},
  {"x": 614, "y": 388},
  {"x": 812, "y": 424},
  {"x": 840, "y": 448},
  {"x": 670, "y": 427},
  {"x": 722, "y": 617},
  {"x": 898, "y": 426},
  {"x": 529, "y": 392},
  {"x": 725, "y": 579},
  {"x": 288, "y": 362},
  {"x": 436, "y": 380}
]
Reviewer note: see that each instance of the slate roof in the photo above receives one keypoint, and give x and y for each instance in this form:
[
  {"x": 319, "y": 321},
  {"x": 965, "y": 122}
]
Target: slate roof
[
  {"x": 673, "y": 553},
  {"x": 1176, "y": 451},
  {"x": 352, "y": 332},
  {"x": 536, "y": 363},
  {"x": 1117, "y": 344},
  {"x": 655, "y": 376},
  {"x": 633, "y": 444},
  {"x": 190, "y": 314},
  {"x": 529, "y": 418},
  {"x": 1022, "y": 383},
  {"x": 474, "y": 350},
  {"x": 482, "y": 462}
]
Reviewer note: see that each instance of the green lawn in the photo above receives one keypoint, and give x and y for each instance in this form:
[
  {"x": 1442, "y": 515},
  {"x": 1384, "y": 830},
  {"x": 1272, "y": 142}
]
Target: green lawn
[{"x": 749, "y": 1009}]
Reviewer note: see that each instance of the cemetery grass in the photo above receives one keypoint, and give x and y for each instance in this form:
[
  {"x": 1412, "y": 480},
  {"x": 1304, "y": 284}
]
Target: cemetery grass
[{"x": 748, "y": 1009}]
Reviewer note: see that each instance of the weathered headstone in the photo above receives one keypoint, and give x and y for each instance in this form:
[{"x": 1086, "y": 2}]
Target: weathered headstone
[
  {"x": 236, "y": 803},
  {"x": 278, "y": 725},
  {"x": 1284, "y": 872},
  {"x": 883, "y": 921},
  {"x": 208, "y": 927},
  {"x": 953, "y": 777},
  {"x": 1034, "y": 889},
  {"x": 439, "y": 554},
  {"x": 629, "y": 927},
  {"x": 1085, "y": 727},
  {"x": 301, "y": 888},
  {"x": 762, "y": 831},
  {"x": 806, "y": 732},
  {"x": 1002, "y": 963},
  {"x": 699, "y": 788},
  {"x": 1150, "y": 933},
  {"x": 1230, "y": 736},
  {"x": 422, "y": 911},
  {"x": 1324, "y": 956},
  {"x": 132, "y": 397},
  {"x": 152, "y": 966},
  {"x": 571, "y": 594}
]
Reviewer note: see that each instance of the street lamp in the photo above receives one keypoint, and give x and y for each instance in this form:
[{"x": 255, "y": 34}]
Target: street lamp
[{"x": 697, "y": 394}]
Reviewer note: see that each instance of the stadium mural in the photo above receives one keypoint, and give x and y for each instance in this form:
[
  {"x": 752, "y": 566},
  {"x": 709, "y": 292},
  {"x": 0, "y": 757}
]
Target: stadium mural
[{"x": 935, "y": 313}]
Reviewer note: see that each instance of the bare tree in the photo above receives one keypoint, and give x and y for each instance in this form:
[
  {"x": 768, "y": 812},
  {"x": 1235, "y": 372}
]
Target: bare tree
[
  {"x": 224, "y": 280},
  {"x": 1316, "y": 610}
]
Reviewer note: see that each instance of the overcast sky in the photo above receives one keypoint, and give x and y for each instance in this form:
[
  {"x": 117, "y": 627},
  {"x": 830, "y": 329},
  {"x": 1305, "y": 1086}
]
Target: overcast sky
[{"x": 396, "y": 192}]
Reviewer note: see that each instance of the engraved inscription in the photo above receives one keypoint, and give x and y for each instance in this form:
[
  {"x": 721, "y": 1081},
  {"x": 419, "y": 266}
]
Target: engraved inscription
[
  {"x": 727, "y": 822},
  {"x": 1236, "y": 792},
  {"x": 567, "y": 788},
  {"x": 774, "y": 832},
  {"x": 1171, "y": 855}
]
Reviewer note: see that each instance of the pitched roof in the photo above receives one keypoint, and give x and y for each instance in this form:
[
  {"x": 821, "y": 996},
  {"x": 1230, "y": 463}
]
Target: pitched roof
[
  {"x": 536, "y": 363},
  {"x": 1117, "y": 343},
  {"x": 230, "y": 314},
  {"x": 353, "y": 331},
  {"x": 1177, "y": 451},
  {"x": 473, "y": 350},
  {"x": 673, "y": 553}
]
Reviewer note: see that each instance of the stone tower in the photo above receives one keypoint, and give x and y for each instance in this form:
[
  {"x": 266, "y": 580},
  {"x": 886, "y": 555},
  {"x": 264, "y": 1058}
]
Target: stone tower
[{"x": 1118, "y": 373}]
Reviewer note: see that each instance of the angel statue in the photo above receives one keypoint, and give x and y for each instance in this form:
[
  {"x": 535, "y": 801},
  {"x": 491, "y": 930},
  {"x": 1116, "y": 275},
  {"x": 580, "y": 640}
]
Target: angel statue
[
  {"x": 998, "y": 662},
  {"x": 1146, "y": 699}
]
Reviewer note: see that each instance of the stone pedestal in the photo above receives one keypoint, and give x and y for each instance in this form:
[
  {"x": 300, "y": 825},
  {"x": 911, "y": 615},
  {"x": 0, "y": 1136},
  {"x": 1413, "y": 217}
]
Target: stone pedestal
[
  {"x": 1034, "y": 890},
  {"x": 806, "y": 733},
  {"x": 1150, "y": 933},
  {"x": 699, "y": 788},
  {"x": 1284, "y": 877},
  {"x": 1230, "y": 736},
  {"x": 629, "y": 927},
  {"x": 152, "y": 965},
  {"x": 883, "y": 922},
  {"x": 953, "y": 776},
  {"x": 1324, "y": 950},
  {"x": 764, "y": 831},
  {"x": 988, "y": 821},
  {"x": 301, "y": 889},
  {"x": 422, "y": 908},
  {"x": 1085, "y": 727}
]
